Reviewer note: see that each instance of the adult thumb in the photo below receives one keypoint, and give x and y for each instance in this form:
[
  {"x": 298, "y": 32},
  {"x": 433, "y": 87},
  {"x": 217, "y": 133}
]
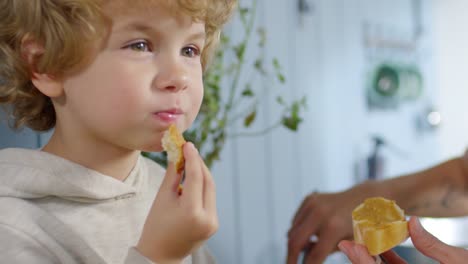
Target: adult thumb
[{"x": 426, "y": 243}]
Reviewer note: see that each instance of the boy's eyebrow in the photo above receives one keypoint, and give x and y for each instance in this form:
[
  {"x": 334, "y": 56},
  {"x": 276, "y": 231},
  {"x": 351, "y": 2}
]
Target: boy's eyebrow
[
  {"x": 138, "y": 27},
  {"x": 198, "y": 35},
  {"x": 148, "y": 29}
]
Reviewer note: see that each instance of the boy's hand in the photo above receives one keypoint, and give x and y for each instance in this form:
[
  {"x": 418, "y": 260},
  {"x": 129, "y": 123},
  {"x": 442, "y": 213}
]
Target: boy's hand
[{"x": 178, "y": 225}]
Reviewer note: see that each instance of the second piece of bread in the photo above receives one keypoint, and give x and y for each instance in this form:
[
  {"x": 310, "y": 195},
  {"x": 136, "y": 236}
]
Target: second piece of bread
[{"x": 379, "y": 224}]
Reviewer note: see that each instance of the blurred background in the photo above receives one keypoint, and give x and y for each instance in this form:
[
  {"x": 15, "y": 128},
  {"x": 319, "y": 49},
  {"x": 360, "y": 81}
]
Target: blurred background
[{"x": 385, "y": 82}]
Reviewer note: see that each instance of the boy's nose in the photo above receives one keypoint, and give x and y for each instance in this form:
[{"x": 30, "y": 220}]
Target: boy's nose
[{"x": 172, "y": 77}]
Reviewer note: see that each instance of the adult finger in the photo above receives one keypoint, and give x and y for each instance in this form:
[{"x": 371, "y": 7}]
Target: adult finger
[
  {"x": 299, "y": 237},
  {"x": 428, "y": 244},
  {"x": 193, "y": 183},
  {"x": 326, "y": 244},
  {"x": 356, "y": 253},
  {"x": 302, "y": 211},
  {"x": 392, "y": 257}
]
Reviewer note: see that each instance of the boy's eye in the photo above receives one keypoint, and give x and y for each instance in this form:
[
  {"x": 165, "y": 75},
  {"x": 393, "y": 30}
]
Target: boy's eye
[
  {"x": 140, "y": 46},
  {"x": 190, "y": 52}
]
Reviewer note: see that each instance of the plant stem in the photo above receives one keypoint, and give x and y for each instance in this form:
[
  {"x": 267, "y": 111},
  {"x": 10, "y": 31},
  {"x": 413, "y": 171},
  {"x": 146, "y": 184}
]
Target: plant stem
[
  {"x": 236, "y": 117},
  {"x": 256, "y": 133},
  {"x": 238, "y": 69}
]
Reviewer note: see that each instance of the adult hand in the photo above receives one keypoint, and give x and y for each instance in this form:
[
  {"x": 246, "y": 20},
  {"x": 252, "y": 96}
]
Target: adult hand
[
  {"x": 178, "y": 224},
  {"x": 358, "y": 254},
  {"x": 328, "y": 217},
  {"x": 426, "y": 243}
]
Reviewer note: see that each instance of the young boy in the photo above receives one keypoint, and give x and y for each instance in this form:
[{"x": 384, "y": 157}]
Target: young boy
[{"x": 109, "y": 76}]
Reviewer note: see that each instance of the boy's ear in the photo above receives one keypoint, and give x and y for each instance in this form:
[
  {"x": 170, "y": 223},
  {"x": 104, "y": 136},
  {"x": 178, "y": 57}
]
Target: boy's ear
[{"x": 31, "y": 50}]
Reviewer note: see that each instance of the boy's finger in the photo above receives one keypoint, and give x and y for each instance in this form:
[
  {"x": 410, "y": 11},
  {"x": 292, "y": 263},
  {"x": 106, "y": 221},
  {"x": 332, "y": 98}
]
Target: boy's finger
[
  {"x": 193, "y": 183},
  {"x": 171, "y": 179},
  {"x": 209, "y": 189}
]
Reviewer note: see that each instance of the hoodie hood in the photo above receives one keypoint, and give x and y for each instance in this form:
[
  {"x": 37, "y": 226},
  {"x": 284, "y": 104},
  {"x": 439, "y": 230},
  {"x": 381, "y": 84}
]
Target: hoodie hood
[{"x": 34, "y": 174}]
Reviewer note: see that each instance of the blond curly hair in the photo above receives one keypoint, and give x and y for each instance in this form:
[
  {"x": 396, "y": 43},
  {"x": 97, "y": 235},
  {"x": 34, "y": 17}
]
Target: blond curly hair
[{"x": 67, "y": 30}]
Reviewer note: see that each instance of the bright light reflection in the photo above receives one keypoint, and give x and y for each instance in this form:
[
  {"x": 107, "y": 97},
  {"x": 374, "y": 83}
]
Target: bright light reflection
[{"x": 434, "y": 118}]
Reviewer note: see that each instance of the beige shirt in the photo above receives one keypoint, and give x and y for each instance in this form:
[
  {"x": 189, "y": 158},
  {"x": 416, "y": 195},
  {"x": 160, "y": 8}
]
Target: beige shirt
[{"x": 55, "y": 211}]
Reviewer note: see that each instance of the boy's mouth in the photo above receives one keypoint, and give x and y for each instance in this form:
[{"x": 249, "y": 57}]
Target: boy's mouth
[{"x": 169, "y": 115}]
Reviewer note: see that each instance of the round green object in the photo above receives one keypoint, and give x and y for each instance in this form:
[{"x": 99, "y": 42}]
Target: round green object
[{"x": 386, "y": 81}]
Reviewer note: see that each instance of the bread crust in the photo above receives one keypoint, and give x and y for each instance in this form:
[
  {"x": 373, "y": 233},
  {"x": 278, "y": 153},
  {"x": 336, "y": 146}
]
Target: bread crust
[{"x": 173, "y": 143}]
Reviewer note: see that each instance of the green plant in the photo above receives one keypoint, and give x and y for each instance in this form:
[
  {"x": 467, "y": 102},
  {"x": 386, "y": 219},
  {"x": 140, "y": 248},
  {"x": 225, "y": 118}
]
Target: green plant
[{"x": 226, "y": 74}]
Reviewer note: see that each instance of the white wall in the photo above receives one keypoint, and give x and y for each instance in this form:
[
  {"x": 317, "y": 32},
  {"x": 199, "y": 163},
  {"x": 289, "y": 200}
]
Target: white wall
[
  {"x": 261, "y": 181},
  {"x": 451, "y": 40}
]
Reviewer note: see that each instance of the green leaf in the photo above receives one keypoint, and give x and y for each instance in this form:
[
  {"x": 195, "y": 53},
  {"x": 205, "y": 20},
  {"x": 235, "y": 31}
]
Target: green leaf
[
  {"x": 276, "y": 64},
  {"x": 221, "y": 123},
  {"x": 250, "y": 118},
  {"x": 277, "y": 67},
  {"x": 213, "y": 106},
  {"x": 223, "y": 40},
  {"x": 239, "y": 50},
  {"x": 262, "y": 37},
  {"x": 280, "y": 100},
  {"x": 281, "y": 78},
  {"x": 291, "y": 122},
  {"x": 191, "y": 136},
  {"x": 248, "y": 91},
  {"x": 243, "y": 11},
  {"x": 259, "y": 66}
]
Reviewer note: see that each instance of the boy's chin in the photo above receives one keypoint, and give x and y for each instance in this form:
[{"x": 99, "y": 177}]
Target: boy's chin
[{"x": 157, "y": 148}]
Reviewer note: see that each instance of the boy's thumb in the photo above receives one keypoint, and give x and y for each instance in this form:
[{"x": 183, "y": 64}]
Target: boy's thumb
[{"x": 425, "y": 242}]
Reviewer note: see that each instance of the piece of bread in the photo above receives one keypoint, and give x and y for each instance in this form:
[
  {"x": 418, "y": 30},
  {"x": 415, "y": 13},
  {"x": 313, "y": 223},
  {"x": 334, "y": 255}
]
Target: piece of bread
[
  {"x": 172, "y": 142},
  {"x": 379, "y": 224}
]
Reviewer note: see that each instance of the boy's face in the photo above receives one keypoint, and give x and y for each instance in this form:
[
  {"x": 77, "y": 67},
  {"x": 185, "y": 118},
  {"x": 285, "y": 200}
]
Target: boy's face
[{"x": 147, "y": 76}]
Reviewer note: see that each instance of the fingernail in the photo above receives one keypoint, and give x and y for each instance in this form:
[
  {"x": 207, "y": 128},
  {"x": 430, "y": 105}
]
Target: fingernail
[
  {"x": 190, "y": 146},
  {"x": 193, "y": 147},
  {"x": 417, "y": 224}
]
